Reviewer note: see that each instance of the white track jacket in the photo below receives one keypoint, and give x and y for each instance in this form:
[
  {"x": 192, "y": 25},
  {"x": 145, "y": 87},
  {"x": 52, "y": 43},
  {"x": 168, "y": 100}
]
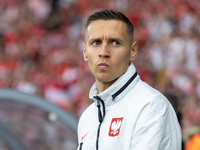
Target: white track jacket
[{"x": 129, "y": 115}]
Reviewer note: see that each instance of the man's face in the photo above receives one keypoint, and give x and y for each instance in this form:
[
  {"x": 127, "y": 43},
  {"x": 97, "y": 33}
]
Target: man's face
[{"x": 108, "y": 50}]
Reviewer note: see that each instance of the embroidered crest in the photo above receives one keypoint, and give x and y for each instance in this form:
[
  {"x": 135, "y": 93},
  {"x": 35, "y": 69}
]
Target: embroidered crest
[{"x": 115, "y": 126}]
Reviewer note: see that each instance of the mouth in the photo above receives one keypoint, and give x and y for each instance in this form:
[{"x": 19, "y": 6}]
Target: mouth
[{"x": 103, "y": 65}]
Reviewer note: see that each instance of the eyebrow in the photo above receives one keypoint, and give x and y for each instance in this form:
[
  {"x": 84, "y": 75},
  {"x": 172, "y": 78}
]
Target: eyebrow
[
  {"x": 117, "y": 39},
  {"x": 109, "y": 39},
  {"x": 94, "y": 39}
]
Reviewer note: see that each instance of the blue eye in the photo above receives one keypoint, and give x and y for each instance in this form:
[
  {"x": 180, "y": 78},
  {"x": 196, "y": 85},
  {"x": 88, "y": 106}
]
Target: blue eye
[
  {"x": 96, "y": 43},
  {"x": 115, "y": 43}
]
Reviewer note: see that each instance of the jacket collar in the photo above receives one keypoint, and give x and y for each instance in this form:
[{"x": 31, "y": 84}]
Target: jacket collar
[{"x": 106, "y": 95}]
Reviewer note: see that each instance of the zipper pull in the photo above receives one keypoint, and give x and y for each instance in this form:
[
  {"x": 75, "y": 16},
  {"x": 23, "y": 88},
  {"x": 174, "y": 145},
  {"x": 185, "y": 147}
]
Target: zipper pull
[
  {"x": 99, "y": 112},
  {"x": 113, "y": 98},
  {"x": 101, "y": 115},
  {"x": 80, "y": 147}
]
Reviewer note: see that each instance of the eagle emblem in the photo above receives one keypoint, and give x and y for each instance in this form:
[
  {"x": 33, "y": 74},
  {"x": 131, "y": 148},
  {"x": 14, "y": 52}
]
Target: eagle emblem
[{"x": 115, "y": 126}]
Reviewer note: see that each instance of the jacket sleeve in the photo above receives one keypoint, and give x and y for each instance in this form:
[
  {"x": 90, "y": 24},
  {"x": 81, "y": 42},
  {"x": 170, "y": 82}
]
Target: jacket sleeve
[{"x": 157, "y": 127}]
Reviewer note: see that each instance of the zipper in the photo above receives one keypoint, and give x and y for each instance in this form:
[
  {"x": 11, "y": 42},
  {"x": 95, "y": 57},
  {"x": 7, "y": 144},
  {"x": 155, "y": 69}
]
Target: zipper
[
  {"x": 97, "y": 141},
  {"x": 100, "y": 103},
  {"x": 100, "y": 117},
  {"x": 124, "y": 87}
]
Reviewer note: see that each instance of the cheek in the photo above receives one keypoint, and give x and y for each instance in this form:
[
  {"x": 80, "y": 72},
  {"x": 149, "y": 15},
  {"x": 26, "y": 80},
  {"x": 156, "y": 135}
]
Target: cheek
[
  {"x": 123, "y": 58},
  {"x": 90, "y": 60},
  {"x": 92, "y": 68},
  {"x": 91, "y": 56},
  {"x": 91, "y": 64},
  {"x": 122, "y": 62}
]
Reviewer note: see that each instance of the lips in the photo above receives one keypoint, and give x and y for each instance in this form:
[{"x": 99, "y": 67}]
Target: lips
[{"x": 103, "y": 65}]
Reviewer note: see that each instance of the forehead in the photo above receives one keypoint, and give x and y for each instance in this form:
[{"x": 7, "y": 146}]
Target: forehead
[{"x": 106, "y": 28}]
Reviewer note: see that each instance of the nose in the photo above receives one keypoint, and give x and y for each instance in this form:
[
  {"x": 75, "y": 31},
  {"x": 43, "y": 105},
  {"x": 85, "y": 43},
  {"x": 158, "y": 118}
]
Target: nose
[{"x": 104, "y": 51}]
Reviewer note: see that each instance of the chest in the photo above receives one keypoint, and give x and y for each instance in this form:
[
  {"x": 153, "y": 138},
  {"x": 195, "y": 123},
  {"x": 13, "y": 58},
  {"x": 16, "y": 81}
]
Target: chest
[{"x": 113, "y": 133}]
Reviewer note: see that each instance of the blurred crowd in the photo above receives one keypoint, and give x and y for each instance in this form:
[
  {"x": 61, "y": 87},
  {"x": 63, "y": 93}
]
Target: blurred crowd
[{"x": 41, "y": 50}]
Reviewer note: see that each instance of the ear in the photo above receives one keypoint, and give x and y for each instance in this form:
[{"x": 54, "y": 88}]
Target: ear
[
  {"x": 133, "y": 51},
  {"x": 85, "y": 52}
]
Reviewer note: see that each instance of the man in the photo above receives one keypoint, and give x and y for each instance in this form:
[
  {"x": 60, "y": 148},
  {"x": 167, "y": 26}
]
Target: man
[{"x": 127, "y": 114}]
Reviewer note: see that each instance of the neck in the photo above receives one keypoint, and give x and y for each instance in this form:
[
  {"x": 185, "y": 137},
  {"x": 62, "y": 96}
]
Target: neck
[{"x": 102, "y": 86}]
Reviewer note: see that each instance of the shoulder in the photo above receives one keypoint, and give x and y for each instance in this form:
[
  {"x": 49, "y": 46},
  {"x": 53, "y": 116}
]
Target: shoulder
[
  {"x": 144, "y": 97},
  {"x": 144, "y": 91},
  {"x": 146, "y": 103}
]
